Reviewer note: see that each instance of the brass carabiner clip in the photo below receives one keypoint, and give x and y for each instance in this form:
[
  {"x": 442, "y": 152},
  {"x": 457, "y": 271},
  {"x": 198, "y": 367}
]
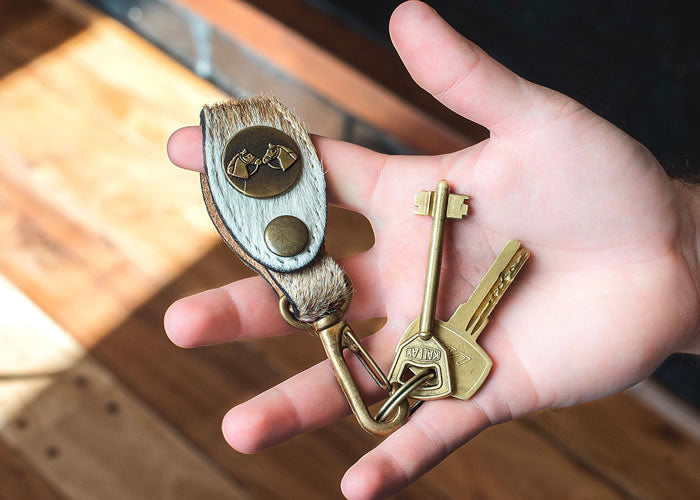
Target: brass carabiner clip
[{"x": 335, "y": 334}]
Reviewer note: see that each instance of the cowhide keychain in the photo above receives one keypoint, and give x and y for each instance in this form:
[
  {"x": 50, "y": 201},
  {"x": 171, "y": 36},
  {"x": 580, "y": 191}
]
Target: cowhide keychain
[{"x": 265, "y": 191}]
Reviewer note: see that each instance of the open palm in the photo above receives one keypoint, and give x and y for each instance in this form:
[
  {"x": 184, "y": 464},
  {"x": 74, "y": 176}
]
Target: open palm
[{"x": 607, "y": 295}]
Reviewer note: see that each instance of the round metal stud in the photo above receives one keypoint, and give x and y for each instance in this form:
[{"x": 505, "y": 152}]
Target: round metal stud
[
  {"x": 262, "y": 162},
  {"x": 286, "y": 236}
]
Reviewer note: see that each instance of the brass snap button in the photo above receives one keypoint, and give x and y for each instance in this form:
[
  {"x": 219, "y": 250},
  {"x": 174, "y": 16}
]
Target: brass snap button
[
  {"x": 261, "y": 162},
  {"x": 286, "y": 236}
]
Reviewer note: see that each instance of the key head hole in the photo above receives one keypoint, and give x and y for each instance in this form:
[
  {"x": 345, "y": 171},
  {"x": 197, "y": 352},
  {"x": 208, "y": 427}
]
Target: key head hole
[{"x": 408, "y": 374}]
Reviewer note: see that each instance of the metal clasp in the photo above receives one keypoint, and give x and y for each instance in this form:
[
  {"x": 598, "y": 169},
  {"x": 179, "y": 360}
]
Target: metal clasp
[{"x": 335, "y": 334}]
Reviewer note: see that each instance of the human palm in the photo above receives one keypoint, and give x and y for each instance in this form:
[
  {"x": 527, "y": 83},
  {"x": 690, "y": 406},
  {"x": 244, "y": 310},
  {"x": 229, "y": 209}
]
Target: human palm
[{"x": 590, "y": 314}]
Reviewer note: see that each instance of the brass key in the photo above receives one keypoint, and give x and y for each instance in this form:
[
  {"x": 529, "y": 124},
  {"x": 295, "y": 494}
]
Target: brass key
[
  {"x": 423, "y": 350},
  {"x": 469, "y": 363}
]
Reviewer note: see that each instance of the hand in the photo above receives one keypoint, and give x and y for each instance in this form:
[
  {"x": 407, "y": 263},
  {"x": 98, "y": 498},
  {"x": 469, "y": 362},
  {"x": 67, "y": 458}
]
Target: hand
[{"x": 610, "y": 291}]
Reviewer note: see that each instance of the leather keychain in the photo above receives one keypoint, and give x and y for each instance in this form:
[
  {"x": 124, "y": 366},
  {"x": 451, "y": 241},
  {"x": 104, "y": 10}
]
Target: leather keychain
[{"x": 265, "y": 191}]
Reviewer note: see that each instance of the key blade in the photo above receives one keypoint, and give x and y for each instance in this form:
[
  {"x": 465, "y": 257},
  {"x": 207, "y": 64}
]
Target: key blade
[{"x": 471, "y": 317}]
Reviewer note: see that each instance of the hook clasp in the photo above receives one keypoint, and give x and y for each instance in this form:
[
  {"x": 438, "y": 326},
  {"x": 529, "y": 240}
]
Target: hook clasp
[{"x": 336, "y": 335}]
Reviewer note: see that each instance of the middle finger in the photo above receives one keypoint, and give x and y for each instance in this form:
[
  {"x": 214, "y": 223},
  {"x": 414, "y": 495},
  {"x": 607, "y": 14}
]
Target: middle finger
[
  {"x": 306, "y": 401},
  {"x": 248, "y": 309}
]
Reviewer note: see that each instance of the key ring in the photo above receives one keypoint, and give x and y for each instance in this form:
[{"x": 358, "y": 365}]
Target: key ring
[
  {"x": 404, "y": 392},
  {"x": 399, "y": 393},
  {"x": 336, "y": 335}
]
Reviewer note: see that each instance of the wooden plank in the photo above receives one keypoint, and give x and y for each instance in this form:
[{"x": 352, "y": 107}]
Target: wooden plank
[
  {"x": 508, "y": 461},
  {"x": 80, "y": 428},
  {"x": 631, "y": 445},
  {"x": 668, "y": 406},
  {"x": 14, "y": 13},
  {"x": 110, "y": 142},
  {"x": 97, "y": 218},
  {"x": 33, "y": 352},
  {"x": 18, "y": 480},
  {"x": 17, "y": 17},
  {"x": 92, "y": 439},
  {"x": 327, "y": 75},
  {"x": 60, "y": 268},
  {"x": 79, "y": 278}
]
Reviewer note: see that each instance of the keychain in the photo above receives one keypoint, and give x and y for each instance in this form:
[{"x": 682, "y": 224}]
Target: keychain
[{"x": 264, "y": 188}]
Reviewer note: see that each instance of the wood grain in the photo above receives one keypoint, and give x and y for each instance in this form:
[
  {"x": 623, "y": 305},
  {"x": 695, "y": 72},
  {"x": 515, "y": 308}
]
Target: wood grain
[
  {"x": 104, "y": 129},
  {"x": 92, "y": 439},
  {"x": 94, "y": 154},
  {"x": 18, "y": 480},
  {"x": 34, "y": 351},
  {"x": 102, "y": 234},
  {"x": 80, "y": 428},
  {"x": 78, "y": 277},
  {"x": 633, "y": 447},
  {"x": 507, "y": 461}
]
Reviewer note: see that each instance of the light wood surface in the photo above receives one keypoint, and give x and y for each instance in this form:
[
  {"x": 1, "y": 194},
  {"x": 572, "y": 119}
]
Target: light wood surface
[
  {"x": 90, "y": 438},
  {"x": 34, "y": 351},
  {"x": 83, "y": 432},
  {"x": 99, "y": 234}
]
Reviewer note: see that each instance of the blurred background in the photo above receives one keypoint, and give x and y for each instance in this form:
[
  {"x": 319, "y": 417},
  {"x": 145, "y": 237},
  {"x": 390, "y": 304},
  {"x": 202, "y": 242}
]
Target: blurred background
[{"x": 99, "y": 234}]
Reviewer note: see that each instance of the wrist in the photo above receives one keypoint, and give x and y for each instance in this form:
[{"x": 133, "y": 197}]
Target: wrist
[{"x": 689, "y": 195}]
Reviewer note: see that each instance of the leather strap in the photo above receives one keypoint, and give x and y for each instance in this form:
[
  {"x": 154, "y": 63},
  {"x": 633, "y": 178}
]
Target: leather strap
[{"x": 312, "y": 281}]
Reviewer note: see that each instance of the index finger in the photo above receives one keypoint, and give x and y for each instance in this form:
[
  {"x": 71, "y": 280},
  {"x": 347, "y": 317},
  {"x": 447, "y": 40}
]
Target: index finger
[{"x": 352, "y": 172}]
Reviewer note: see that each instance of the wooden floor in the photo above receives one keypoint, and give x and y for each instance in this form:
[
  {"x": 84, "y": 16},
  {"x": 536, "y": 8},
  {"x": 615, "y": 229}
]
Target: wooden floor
[{"x": 99, "y": 234}]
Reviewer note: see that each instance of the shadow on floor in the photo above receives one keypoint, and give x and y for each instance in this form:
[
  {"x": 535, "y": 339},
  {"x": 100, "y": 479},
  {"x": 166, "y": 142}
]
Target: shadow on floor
[{"x": 17, "y": 18}]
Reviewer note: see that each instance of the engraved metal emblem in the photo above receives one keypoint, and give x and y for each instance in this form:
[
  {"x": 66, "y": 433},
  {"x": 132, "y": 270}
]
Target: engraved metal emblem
[{"x": 261, "y": 162}]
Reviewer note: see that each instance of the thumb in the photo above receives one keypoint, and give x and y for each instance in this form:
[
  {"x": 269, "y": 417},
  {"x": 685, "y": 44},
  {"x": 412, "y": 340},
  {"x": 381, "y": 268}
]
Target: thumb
[{"x": 461, "y": 75}]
